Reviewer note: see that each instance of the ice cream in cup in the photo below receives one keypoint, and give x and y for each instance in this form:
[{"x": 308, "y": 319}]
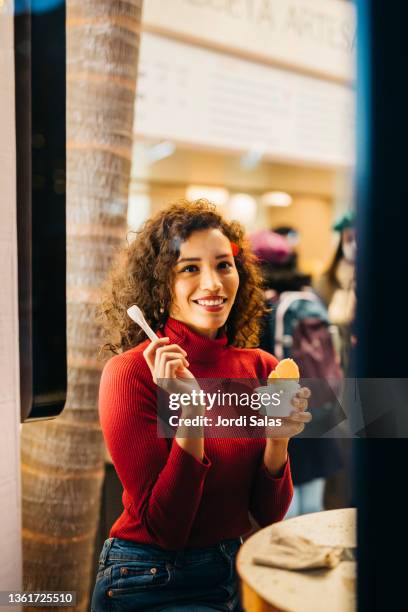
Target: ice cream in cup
[{"x": 283, "y": 384}]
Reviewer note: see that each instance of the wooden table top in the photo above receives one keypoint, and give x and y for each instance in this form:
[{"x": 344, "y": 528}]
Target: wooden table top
[{"x": 294, "y": 591}]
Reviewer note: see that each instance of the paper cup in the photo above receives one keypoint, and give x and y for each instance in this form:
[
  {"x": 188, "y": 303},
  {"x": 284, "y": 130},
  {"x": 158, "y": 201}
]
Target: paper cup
[{"x": 281, "y": 391}]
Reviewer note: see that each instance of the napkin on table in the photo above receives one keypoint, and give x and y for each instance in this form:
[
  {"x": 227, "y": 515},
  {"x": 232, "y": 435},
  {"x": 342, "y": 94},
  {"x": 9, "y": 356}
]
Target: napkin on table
[{"x": 292, "y": 552}]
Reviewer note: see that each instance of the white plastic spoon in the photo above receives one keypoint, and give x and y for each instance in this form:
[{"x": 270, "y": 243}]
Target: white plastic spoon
[{"x": 137, "y": 316}]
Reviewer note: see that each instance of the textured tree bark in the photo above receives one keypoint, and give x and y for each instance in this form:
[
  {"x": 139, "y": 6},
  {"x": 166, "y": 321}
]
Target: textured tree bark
[{"x": 63, "y": 460}]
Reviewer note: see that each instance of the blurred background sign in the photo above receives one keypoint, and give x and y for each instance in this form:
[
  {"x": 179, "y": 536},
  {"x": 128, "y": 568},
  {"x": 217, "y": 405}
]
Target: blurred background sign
[
  {"x": 196, "y": 96},
  {"x": 316, "y": 37}
]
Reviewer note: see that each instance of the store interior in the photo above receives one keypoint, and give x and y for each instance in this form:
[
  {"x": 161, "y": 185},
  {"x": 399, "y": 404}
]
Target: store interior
[{"x": 261, "y": 193}]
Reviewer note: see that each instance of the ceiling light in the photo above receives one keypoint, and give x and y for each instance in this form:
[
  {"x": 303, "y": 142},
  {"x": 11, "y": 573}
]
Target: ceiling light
[
  {"x": 216, "y": 195},
  {"x": 276, "y": 198},
  {"x": 160, "y": 151},
  {"x": 252, "y": 158},
  {"x": 242, "y": 208}
]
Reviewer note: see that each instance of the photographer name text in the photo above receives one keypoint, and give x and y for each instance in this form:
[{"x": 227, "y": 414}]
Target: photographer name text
[{"x": 241, "y": 421}]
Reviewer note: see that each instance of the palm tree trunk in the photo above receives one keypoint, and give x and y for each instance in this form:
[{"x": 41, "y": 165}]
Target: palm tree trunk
[{"x": 63, "y": 460}]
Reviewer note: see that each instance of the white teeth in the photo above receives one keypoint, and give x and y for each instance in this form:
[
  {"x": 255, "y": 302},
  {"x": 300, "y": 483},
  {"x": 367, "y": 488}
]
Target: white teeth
[{"x": 210, "y": 302}]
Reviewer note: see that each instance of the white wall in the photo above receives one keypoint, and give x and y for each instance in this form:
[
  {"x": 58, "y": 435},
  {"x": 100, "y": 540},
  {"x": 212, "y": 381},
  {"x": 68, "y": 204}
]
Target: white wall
[{"x": 10, "y": 500}]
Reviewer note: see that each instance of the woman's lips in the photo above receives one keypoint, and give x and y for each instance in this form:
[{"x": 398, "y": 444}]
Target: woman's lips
[{"x": 209, "y": 306}]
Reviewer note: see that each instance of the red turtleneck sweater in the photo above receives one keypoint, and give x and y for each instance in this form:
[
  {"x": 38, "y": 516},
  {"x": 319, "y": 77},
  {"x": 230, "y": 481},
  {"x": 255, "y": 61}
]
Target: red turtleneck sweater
[{"x": 170, "y": 498}]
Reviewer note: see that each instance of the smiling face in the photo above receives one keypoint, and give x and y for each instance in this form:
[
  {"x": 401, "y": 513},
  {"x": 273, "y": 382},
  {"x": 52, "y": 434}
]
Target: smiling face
[{"x": 206, "y": 282}]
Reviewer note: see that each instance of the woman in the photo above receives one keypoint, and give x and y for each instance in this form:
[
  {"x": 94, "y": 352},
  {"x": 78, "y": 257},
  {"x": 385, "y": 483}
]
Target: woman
[
  {"x": 337, "y": 287},
  {"x": 186, "y": 500}
]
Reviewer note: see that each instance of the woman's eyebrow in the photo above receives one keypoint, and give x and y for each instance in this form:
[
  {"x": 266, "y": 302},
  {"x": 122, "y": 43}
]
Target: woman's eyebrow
[{"x": 199, "y": 258}]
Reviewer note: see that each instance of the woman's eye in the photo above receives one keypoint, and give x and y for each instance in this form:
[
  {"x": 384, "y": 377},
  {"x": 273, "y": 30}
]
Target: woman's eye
[
  {"x": 225, "y": 265},
  {"x": 190, "y": 268}
]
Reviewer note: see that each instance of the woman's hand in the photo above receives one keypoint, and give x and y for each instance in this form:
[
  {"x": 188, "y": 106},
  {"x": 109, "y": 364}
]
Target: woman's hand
[
  {"x": 295, "y": 423},
  {"x": 169, "y": 367}
]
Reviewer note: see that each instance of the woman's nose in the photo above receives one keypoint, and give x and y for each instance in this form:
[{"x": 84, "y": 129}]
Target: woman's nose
[{"x": 210, "y": 281}]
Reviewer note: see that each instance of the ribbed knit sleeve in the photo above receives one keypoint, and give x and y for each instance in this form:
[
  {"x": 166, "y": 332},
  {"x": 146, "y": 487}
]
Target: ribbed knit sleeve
[
  {"x": 271, "y": 495},
  {"x": 163, "y": 486}
]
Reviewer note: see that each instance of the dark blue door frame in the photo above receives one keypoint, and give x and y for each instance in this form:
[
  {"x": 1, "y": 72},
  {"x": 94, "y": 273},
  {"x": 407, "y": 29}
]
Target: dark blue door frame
[{"x": 382, "y": 328}]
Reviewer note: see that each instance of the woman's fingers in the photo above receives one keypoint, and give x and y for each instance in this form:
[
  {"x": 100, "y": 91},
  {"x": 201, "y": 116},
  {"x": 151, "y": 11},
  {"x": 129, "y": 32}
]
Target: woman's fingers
[
  {"x": 171, "y": 350},
  {"x": 150, "y": 351},
  {"x": 155, "y": 349},
  {"x": 171, "y": 367},
  {"x": 300, "y": 417},
  {"x": 175, "y": 348},
  {"x": 163, "y": 373},
  {"x": 304, "y": 392},
  {"x": 162, "y": 344},
  {"x": 169, "y": 373},
  {"x": 163, "y": 358},
  {"x": 299, "y": 402}
]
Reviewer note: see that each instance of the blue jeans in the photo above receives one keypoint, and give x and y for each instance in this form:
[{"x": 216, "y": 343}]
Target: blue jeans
[{"x": 140, "y": 577}]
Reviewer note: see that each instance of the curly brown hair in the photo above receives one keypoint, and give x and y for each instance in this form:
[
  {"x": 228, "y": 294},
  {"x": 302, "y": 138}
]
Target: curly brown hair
[{"x": 144, "y": 275}]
